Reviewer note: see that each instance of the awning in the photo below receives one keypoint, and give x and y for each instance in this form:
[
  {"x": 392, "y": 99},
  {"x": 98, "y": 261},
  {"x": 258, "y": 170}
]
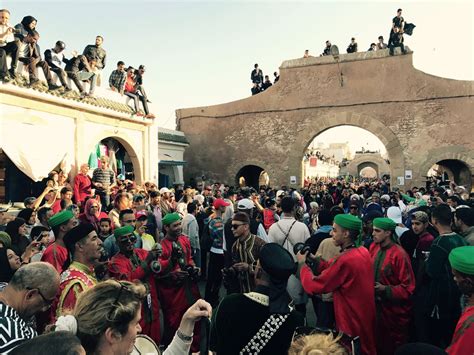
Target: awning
[
  {"x": 36, "y": 142},
  {"x": 172, "y": 162}
]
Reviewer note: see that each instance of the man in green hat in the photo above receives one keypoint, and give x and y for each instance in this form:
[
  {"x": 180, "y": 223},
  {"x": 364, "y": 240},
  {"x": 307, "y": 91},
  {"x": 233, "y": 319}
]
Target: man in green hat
[
  {"x": 131, "y": 264},
  {"x": 394, "y": 287},
  {"x": 347, "y": 276},
  {"x": 462, "y": 264},
  {"x": 56, "y": 253},
  {"x": 178, "y": 284}
]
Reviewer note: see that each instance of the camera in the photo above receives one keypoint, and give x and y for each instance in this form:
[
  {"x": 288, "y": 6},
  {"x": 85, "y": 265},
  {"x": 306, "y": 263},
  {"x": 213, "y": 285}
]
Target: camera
[
  {"x": 177, "y": 253},
  {"x": 301, "y": 248},
  {"x": 192, "y": 272}
]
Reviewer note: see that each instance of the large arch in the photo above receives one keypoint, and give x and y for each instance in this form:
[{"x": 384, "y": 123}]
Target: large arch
[
  {"x": 374, "y": 126},
  {"x": 275, "y": 127}
]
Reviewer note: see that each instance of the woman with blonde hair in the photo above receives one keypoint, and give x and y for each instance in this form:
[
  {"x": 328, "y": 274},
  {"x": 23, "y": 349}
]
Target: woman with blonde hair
[
  {"x": 317, "y": 344},
  {"x": 106, "y": 319}
]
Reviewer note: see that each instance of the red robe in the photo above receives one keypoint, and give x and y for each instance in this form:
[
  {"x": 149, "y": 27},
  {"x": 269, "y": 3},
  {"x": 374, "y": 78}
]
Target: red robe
[
  {"x": 176, "y": 298},
  {"x": 122, "y": 268},
  {"x": 463, "y": 339},
  {"x": 75, "y": 280},
  {"x": 56, "y": 255},
  {"x": 393, "y": 268},
  {"x": 347, "y": 277}
]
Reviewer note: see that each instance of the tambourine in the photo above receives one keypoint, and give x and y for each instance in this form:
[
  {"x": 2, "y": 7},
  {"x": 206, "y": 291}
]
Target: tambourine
[{"x": 144, "y": 345}]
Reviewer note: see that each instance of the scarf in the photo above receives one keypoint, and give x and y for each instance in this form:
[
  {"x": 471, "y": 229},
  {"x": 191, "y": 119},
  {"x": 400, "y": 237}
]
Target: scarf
[
  {"x": 92, "y": 219},
  {"x": 244, "y": 250}
]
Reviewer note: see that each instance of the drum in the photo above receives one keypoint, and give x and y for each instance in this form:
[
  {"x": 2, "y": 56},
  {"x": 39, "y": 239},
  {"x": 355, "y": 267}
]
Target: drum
[{"x": 144, "y": 345}]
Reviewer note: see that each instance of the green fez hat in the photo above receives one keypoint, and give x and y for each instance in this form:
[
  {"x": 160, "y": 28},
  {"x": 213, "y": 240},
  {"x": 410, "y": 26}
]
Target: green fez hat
[
  {"x": 348, "y": 221},
  {"x": 60, "y": 218},
  {"x": 170, "y": 218},
  {"x": 120, "y": 232},
  {"x": 6, "y": 240},
  {"x": 462, "y": 259},
  {"x": 384, "y": 223}
]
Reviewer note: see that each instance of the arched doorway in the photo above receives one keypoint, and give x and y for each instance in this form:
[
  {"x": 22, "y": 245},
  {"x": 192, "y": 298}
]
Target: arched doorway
[
  {"x": 345, "y": 150},
  {"x": 368, "y": 172},
  {"x": 447, "y": 170},
  {"x": 252, "y": 176},
  {"x": 368, "y": 169},
  {"x": 122, "y": 159}
]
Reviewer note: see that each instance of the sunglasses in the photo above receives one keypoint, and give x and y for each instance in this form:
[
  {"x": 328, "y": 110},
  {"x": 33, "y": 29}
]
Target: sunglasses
[
  {"x": 130, "y": 221},
  {"x": 131, "y": 238},
  {"x": 235, "y": 226},
  {"x": 123, "y": 287},
  {"x": 47, "y": 303},
  {"x": 354, "y": 207}
]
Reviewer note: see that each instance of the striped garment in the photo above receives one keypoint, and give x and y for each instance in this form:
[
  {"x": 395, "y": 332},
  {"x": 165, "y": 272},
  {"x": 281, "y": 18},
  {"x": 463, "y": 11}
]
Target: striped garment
[
  {"x": 105, "y": 177},
  {"x": 13, "y": 329}
]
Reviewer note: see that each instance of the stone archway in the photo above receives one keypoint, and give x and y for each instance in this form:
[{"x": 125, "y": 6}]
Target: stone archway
[
  {"x": 372, "y": 125},
  {"x": 251, "y": 176},
  {"x": 368, "y": 172},
  {"x": 368, "y": 164},
  {"x": 276, "y": 126},
  {"x": 459, "y": 165}
]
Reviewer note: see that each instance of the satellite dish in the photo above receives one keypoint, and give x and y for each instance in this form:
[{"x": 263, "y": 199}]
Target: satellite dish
[{"x": 334, "y": 51}]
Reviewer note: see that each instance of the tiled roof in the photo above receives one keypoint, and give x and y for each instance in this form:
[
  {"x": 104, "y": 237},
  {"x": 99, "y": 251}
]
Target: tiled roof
[
  {"x": 162, "y": 136},
  {"x": 75, "y": 96}
]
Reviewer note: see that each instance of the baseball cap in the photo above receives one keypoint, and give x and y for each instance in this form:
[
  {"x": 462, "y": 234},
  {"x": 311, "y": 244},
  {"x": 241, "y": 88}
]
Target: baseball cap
[
  {"x": 245, "y": 204},
  {"x": 61, "y": 44},
  {"x": 220, "y": 203},
  {"x": 141, "y": 215}
]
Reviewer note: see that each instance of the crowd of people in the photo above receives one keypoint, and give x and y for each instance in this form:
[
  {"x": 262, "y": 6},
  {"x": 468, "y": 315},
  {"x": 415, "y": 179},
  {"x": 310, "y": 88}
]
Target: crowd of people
[
  {"x": 399, "y": 27},
  {"x": 259, "y": 82},
  {"x": 105, "y": 258},
  {"x": 20, "y": 42}
]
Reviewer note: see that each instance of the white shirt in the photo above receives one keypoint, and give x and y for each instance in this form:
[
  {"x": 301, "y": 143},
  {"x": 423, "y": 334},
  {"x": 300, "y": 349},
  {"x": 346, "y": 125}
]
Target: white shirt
[
  {"x": 299, "y": 233},
  {"x": 8, "y": 38}
]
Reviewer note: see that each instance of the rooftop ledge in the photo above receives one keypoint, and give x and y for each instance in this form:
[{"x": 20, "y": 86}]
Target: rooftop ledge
[
  {"x": 104, "y": 103},
  {"x": 346, "y": 57}
]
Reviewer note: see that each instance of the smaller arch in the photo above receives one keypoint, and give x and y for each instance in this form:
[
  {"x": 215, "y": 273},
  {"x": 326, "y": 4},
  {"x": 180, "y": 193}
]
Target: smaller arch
[
  {"x": 368, "y": 172},
  {"x": 455, "y": 170},
  {"x": 368, "y": 165},
  {"x": 251, "y": 176}
]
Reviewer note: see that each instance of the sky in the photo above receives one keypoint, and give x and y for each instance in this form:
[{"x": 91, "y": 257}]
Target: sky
[{"x": 200, "y": 53}]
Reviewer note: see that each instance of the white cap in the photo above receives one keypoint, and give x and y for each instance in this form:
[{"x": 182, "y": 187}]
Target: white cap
[
  {"x": 385, "y": 197},
  {"x": 199, "y": 198},
  {"x": 245, "y": 204},
  {"x": 164, "y": 190},
  {"x": 395, "y": 214}
]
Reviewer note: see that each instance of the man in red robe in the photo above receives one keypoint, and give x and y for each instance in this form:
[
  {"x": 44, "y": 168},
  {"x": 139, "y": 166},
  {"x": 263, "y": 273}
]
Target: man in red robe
[
  {"x": 56, "y": 252},
  {"x": 132, "y": 264},
  {"x": 462, "y": 264},
  {"x": 394, "y": 287},
  {"x": 177, "y": 286},
  {"x": 85, "y": 249},
  {"x": 348, "y": 277}
]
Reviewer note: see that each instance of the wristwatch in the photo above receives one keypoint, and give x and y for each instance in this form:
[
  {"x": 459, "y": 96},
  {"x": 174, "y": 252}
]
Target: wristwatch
[{"x": 185, "y": 338}]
